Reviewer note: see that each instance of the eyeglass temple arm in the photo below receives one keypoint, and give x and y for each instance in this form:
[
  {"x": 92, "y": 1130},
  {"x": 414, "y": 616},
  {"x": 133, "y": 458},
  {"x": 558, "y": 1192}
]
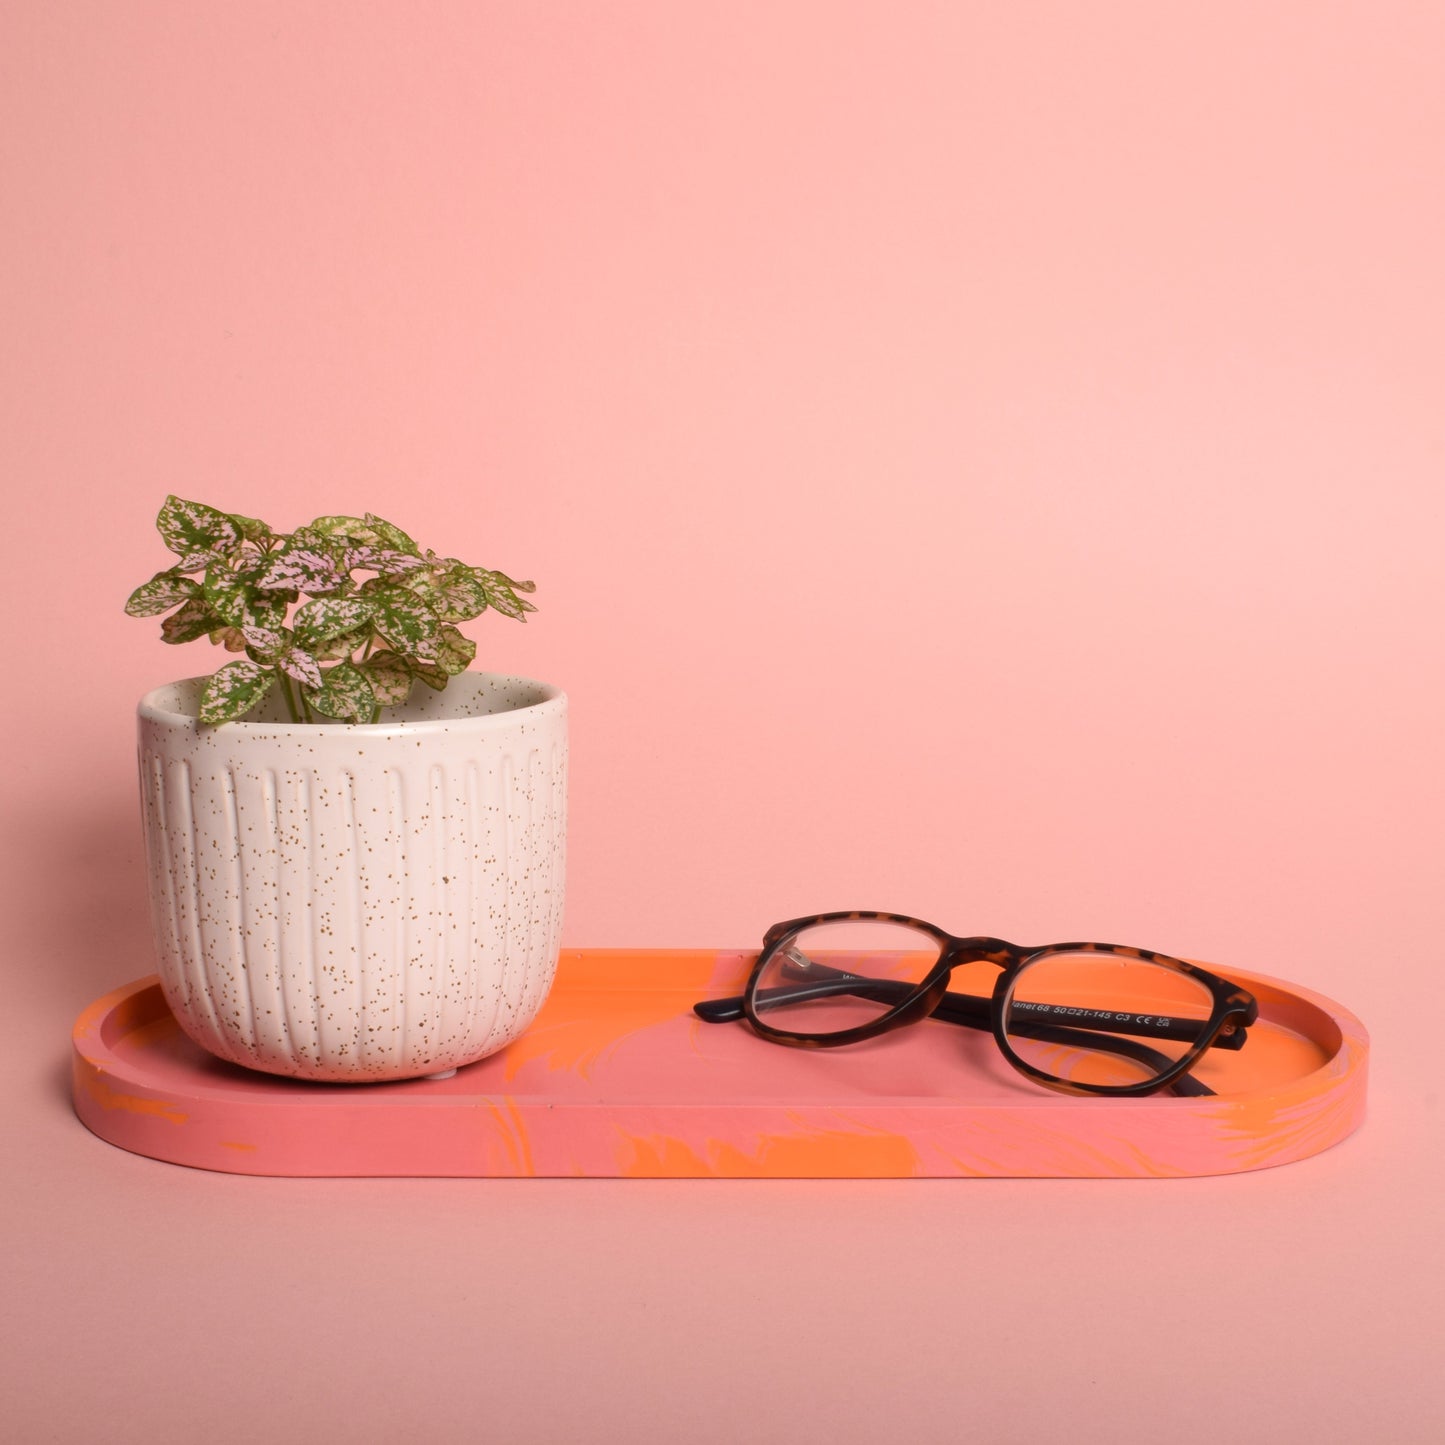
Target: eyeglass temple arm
[
  {"x": 961, "y": 1008},
  {"x": 956, "y": 1008}
]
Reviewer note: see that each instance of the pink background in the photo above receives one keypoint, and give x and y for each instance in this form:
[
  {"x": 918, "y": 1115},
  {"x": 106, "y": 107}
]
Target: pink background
[{"x": 980, "y": 460}]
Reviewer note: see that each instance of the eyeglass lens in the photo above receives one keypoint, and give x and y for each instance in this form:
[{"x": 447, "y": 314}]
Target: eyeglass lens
[
  {"x": 832, "y": 977},
  {"x": 1102, "y": 1018}
]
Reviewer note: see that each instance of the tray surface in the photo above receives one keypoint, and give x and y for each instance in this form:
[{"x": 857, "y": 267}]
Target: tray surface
[{"x": 617, "y": 1077}]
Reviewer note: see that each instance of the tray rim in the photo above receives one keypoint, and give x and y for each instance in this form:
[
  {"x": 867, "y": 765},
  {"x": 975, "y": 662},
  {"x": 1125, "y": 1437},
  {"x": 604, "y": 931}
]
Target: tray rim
[{"x": 90, "y": 1050}]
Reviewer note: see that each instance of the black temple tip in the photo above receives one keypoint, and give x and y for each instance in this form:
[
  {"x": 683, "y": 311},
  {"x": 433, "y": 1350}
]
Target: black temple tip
[{"x": 719, "y": 1010}]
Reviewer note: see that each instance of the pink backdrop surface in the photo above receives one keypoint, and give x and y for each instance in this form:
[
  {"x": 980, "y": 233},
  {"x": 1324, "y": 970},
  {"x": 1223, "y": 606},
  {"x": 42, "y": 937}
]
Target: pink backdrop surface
[{"x": 982, "y": 461}]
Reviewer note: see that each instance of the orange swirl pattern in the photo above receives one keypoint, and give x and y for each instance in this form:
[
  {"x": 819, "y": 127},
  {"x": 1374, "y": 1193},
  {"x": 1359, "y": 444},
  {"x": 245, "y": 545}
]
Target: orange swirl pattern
[{"x": 617, "y": 1078}]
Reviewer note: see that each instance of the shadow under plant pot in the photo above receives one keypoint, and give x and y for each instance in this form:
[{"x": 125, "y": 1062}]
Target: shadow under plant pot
[{"x": 354, "y": 903}]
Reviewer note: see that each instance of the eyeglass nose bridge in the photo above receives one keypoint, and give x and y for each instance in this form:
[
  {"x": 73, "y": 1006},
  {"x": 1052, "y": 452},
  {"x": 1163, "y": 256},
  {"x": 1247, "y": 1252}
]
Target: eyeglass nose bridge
[
  {"x": 958, "y": 952},
  {"x": 987, "y": 946}
]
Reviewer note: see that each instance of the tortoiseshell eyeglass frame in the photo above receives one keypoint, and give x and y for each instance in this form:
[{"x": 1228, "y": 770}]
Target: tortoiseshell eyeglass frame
[{"x": 1233, "y": 1011}]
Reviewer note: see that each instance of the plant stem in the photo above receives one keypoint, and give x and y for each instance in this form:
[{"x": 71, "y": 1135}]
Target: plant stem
[
  {"x": 286, "y": 693},
  {"x": 370, "y": 643},
  {"x": 306, "y": 706}
]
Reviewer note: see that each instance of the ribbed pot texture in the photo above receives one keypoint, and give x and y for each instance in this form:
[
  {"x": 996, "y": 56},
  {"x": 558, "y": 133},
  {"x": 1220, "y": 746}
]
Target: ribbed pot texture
[{"x": 358, "y": 903}]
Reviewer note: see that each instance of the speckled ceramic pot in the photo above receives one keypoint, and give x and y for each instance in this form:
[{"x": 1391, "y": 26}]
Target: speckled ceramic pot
[{"x": 354, "y": 903}]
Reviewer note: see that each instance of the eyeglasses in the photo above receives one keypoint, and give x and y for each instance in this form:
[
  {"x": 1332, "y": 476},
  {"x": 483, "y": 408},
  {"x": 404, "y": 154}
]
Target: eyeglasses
[{"x": 1083, "y": 1018}]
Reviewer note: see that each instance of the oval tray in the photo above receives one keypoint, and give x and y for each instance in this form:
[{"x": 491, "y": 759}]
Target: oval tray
[{"x": 616, "y": 1077}]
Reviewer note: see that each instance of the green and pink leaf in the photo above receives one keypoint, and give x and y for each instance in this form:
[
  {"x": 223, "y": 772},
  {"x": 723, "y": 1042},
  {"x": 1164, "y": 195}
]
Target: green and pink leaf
[
  {"x": 448, "y": 649},
  {"x": 339, "y": 649},
  {"x": 389, "y": 676},
  {"x": 344, "y": 694},
  {"x": 502, "y": 592},
  {"x": 251, "y": 528},
  {"x": 295, "y": 662},
  {"x": 430, "y": 673},
  {"x": 235, "y": 690},
  {"x": 301, "y": 569},
  {"x": 228, "y": 594},
  {"x": 369, "y": 530},
  {"x": 378, "y": 559},
  {"x": 329, "y": 617},
  {"x": 194, "y": 619},
  {"x": 164, "y": 591},
  {"x": 188, "y": 528},
  {"x": 265, "y": 643},
  {"x": 230, "y": 638},
  {"x": 458, "y": 596},
  {"x": 402, "y": 618}
]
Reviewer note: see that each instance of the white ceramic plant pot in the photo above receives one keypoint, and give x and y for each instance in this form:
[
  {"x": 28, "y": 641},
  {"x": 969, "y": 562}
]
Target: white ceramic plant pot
[{"x": 354, "y": 903}]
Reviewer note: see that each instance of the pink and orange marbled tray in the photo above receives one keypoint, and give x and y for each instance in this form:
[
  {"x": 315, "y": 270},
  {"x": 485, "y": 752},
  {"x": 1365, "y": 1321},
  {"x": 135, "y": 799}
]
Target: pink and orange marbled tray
[{"x": 616, "y": 1077}]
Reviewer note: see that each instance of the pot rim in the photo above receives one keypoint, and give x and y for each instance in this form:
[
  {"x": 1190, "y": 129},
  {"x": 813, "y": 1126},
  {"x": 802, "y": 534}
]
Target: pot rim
[{"x": 551, "y": 700}]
